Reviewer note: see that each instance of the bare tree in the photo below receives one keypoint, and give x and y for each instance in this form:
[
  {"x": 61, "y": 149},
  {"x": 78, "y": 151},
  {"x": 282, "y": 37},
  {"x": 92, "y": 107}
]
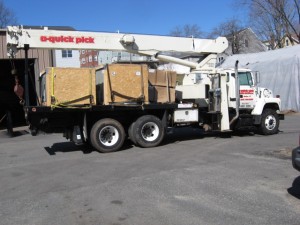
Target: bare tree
[
  {"x": 289, "y": 11},
  {"x": 6, "y": 16},
  {"x": 231, "y": 29},
  {"x": 187, "y": 31},
  {"x": 273, "y": 19},
  {"x": 269, "y": 26}
]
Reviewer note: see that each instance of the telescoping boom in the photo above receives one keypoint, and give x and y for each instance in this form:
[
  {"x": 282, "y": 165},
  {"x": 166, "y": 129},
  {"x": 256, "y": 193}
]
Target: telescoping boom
[{"x": 149, "y": 45}]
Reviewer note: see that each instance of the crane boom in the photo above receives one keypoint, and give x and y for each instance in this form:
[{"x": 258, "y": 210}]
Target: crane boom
[{"x": 18, "y": 37}]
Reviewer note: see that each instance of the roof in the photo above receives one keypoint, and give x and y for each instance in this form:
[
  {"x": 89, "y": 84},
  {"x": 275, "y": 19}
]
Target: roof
[
  {"x": 67, "y": 28},
  {"x": 241, "y": 31},
  {"x": 295, "y": 38}
]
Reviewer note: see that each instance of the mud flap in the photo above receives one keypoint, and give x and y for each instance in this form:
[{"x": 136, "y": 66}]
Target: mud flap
[{"x": 77, "y": 137}]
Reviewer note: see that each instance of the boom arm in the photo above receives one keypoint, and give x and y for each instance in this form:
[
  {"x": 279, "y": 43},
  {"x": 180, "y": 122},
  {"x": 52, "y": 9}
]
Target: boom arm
[{"x": 150, "y": 45}]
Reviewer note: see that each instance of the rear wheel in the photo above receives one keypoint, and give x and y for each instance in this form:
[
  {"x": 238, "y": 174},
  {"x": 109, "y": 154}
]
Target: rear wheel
[
  {"x": 107, "y": 135},
  {"x": 148, "y": 131},
  {"x": 269, "y": 122}
]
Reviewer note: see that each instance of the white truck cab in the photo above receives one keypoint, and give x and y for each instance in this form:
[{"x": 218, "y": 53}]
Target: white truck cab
[{"x": 253, "y": 107}]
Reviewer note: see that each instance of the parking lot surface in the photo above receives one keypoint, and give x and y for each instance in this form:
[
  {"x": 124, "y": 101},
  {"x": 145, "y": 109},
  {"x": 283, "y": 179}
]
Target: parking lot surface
[{"x": 191, "y": 178}]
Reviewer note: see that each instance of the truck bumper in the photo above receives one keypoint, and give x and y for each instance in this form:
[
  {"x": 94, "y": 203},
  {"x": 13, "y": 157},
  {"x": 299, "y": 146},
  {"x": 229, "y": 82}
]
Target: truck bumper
[{"x": 296, "y": 158}]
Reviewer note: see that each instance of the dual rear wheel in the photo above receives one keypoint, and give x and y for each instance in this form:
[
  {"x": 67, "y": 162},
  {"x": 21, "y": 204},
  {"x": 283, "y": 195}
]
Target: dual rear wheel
[
  {"x": 147, "y": 131},
  {"x": 108, "y": 135}
]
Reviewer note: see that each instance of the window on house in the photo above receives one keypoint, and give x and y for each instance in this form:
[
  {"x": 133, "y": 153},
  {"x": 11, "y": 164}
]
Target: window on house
[
  {"x": 287, "y": 42},
  {"x": 66, "y": 53},
  {"x": 95, "y": 58},
  {"x": 246, "y": 43},
  {"x": 83, "y": 61}
]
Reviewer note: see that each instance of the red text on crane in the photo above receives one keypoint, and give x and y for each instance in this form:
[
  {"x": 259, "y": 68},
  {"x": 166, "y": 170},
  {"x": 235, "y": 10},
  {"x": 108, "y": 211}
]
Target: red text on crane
[{"x": 67, "y": 39}]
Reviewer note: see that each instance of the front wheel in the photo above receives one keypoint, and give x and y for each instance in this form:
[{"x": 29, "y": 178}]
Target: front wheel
[
  {"x": 269, "y": 122},
  {"x": 148, "y": 131},
  {"x": 107, "y": 135}
]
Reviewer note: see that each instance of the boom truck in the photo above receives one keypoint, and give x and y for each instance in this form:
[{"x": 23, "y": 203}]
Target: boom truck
[{"x": 212, "y": 99}]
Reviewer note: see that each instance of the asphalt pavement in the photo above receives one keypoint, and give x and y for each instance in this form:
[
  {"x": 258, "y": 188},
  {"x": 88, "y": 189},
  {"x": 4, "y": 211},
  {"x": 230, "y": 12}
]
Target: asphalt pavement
[{"x": 191, "y": 178}]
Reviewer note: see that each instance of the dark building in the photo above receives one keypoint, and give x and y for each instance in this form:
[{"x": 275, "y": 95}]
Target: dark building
[
  {"x": 10, "y": 108},
  {"x": 89, "y": 58},
  {"x": 11, "y": 111}
]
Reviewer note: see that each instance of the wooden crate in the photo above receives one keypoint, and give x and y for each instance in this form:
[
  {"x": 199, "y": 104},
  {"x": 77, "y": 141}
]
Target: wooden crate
[
  {"x": 162, "y": 89},
  {"x": 125, "y": 83},
  {"x": 115, "y": 83},
  {"x": 160, "y": 94},
  {"x": 164, "y": 78},
  {"x": 68, "y": 86}
]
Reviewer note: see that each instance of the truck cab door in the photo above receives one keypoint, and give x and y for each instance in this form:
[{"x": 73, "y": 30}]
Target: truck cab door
[{"x": 247, "y": 90}]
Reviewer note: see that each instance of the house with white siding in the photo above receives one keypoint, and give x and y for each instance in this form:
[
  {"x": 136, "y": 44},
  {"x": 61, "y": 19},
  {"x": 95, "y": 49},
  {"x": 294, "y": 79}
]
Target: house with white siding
[{"x": 66, "y": 58}]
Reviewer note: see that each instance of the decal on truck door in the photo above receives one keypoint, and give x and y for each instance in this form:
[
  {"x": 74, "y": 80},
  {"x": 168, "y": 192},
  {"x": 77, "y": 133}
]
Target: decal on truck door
[
  {"x": 246, "y": 97},
  {"x": 247, "y": 91}
]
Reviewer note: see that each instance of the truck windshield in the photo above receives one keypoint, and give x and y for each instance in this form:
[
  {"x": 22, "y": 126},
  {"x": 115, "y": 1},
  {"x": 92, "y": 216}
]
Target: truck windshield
[{"x": 245, "y": 78}]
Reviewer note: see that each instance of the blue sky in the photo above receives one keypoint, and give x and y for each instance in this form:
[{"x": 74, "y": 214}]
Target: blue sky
[{"x": 132, "y": 16}]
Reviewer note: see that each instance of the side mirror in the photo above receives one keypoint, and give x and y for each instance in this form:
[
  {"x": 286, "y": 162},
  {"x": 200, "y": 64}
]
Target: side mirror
[{"x": 257, "y": 77}]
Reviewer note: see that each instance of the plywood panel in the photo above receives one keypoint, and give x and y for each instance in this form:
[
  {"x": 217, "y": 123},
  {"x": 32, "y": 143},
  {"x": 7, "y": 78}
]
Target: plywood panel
[
  {"x": 164, "y": 94},
  {"x": 166, "y": 78},
  {"x": 162, "y": 78},
  {"x": 70, "y": 86},
  {"x": 152, "y": 76},
  {"x": 126, "y": 83}
]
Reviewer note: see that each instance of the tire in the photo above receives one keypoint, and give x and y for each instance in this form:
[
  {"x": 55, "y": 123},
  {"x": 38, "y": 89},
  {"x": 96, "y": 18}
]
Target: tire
[
  {"x": 269, "y": 122},
  {"x": 130, "y": 133},
  {"x": 148, "y": 131},
  {"x": 107, "y": 135}
]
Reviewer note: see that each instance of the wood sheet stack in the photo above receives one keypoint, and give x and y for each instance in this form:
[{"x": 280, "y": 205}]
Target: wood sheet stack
[
  {"x": 64, "y": 87},
  {"x": 163, "y": 83},
  {"x": 125, "y": 83},
  {"x": 111, "y": 84}
]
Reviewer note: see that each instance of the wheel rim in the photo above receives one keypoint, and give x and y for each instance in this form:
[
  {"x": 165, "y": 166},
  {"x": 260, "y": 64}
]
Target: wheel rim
[
  {"x": 150, "y": 131},
  {"x": 270, "y": 122},
  {"x": 108, "y": 136}
]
